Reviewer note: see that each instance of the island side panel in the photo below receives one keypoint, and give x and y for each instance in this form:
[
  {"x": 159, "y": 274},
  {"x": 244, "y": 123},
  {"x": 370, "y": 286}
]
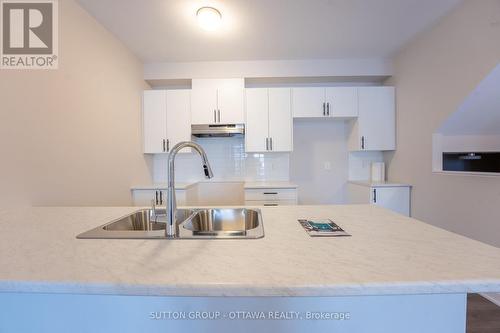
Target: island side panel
[{"x": 432, "y": 313}]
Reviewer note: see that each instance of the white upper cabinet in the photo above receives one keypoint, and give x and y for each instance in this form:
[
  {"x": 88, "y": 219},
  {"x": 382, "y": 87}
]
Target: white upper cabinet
[
  {"x": 325, "y": 102},
  {"x": 154, "y": 121},
  {"x": 375, "y": 128},
  {"x": 280, "y": 120},
  {"x": 257, "y": 120},
  {"x": 166, "y": 119},
  {"x": 308, "y": 102},
  {"x": 203, "y": 102},
  {"x": 178, "y": 118},
  {"x": 217, "y": 101},
  {"x": 268, "y": 120},
  {"x": 230, "y": 101},
  {"x": 342, "y": 102}
]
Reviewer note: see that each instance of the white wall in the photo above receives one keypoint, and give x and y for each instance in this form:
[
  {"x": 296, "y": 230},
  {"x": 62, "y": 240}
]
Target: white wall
[
  {"x": 316, "y": 142},
  {"x": 479, "y": 113},
  {"x": 433, "y": 75},
  {"x": 72, "y": 136}
]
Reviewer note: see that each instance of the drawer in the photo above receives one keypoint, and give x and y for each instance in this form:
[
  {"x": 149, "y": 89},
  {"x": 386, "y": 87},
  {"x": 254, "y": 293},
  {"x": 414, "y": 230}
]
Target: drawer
[
  {"x": 270, "y": 203},
  {"x": 271, "y": 194}
]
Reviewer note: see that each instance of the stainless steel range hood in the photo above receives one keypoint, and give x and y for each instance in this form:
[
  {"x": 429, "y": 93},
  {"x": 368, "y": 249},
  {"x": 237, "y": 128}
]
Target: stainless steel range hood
[{"x": 220, "y": 130}]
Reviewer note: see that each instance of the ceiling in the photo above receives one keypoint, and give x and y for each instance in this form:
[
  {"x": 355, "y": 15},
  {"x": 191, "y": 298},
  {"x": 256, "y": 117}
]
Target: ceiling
[{"x": 167, "y": 31}]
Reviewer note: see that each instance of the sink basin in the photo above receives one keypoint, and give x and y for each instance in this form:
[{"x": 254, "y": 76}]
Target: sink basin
[
  {"x": 140, "y": 224},
  {"x": 212, "y": 223},
  {"x": 139, "y": 221},
  {"x": 223, "y": 223}
]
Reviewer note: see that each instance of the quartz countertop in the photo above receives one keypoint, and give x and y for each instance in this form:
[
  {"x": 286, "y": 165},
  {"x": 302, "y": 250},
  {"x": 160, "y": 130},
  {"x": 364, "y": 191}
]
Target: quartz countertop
[
  {"x": 387, "y": 254},
  {"x": 246, "y": 185},
  {"x": 370, "y": 183},
  {"x": 163, "y": 186},
  {"x": 269, "y": 184}
]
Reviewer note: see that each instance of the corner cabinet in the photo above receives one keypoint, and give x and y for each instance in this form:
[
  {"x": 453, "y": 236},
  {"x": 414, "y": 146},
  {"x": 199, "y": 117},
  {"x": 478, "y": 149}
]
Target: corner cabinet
[
  {"x": 217, "y": 101},
  {"x": 330, "y": 102},
  {"x": 375, "y": 127},
  {"x": 166, "y": 119},
  {"x": 395, "y": 197},
  {"x": 269, "y": 123}
]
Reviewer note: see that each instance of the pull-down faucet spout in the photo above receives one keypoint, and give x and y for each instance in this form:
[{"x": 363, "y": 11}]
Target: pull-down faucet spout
[{"x": 171, "y": 227}]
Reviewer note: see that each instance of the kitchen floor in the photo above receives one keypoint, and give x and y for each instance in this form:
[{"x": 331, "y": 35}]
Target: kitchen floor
[{"x": 483, "y": 316}]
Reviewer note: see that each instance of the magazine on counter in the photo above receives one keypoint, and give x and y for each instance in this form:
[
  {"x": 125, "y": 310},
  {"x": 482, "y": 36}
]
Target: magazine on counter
[{"x": 322, "y": 228}]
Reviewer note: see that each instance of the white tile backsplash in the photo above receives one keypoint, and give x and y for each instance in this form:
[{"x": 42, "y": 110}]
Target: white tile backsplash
[{"x": 229, "y": 162}]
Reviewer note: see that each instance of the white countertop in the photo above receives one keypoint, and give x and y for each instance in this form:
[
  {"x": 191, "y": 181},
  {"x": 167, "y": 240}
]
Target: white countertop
[
  {"x": 387, "y": 254},
  {"x": 246, "y": 185},
  {"x": 163, "y": 186},
  {"x": 370, "y": 183}
]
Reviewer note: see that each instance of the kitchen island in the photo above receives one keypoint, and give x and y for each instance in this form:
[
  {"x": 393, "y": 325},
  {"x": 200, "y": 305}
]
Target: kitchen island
[{"x": 394, "y": 274}]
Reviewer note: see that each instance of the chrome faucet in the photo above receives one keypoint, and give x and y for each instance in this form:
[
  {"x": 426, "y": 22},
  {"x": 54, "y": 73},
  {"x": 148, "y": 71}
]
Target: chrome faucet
[{"x": 171, "y": 201}]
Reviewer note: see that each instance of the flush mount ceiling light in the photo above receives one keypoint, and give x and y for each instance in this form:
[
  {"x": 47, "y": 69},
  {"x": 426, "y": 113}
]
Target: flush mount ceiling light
[{"x": 209, "y": 18}]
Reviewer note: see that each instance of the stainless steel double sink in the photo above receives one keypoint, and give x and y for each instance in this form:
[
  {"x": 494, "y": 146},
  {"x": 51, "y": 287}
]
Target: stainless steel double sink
[{"x": 198, "y": 223}]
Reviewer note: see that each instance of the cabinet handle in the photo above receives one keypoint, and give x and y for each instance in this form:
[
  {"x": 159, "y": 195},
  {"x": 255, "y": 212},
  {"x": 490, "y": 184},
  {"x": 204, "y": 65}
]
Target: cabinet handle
[
  {"x": 215, "y": 116},
  {"x": 328, "y": 108},
  {"x": 324, "y": 110},
  {"x": 161, "y": 198},
  {"x": 270, "y": 193},
  {"x": 363, "y": 142},
  {"x": 168, "y": 145},
  {"x": 267, "y": 143},
  {"x": 218, "y": 113},
  {"x": 271, "y": 143},
  {"x": 270, "y": 204},
  {"x": 163, "y": 145},
  {"x": 374, "y": 195},
  {"x": 156, "y": 195}
]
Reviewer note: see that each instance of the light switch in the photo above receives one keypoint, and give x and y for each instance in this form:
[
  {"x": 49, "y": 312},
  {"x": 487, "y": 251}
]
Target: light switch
[{"x": 328, "y": 165}]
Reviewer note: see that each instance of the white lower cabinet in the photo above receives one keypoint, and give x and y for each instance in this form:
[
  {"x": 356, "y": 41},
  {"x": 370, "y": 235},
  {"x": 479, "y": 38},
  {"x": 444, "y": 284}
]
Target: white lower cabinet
[
  {"x": 144, "y": 198},
  {"x": 271, "y": 197},
  {"x": 395, "y": 198}
]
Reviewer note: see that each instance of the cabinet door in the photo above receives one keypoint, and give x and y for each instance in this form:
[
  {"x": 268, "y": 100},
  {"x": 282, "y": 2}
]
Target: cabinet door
[
  {"x": 256, "y": 126},
  {"x": 342, "y": 101},
  {"x": 178, "y": 118},
  {"x": 230, "y": 101},
  {"x": 280, "y": 119},
  {"x": 308, "y": 102},
  {"x": 377, "y": 118},
  {"x": 203, "y": 101},
  {"x": 394, "y": 198},
  {"x": 154, "y": 120}
]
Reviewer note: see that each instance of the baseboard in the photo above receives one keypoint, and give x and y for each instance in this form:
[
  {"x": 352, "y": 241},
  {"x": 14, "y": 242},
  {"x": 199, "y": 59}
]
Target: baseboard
[{"x": 494, "y": 298}]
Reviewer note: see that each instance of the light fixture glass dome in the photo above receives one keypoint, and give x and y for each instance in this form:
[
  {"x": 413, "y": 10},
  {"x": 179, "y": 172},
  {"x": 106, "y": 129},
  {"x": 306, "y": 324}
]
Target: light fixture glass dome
[{"x": 209, "y": 18}]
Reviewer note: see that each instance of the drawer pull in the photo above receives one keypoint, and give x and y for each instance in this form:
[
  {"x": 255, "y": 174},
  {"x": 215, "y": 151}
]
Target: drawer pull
[
  {"x": 270, "y": 192},
  {"x": 271, "y": 205}
]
